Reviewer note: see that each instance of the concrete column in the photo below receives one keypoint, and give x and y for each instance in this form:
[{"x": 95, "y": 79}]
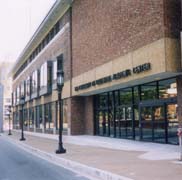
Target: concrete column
[
  {"x": 77, "y": 116},
  {"x": 89, "y": 115}
]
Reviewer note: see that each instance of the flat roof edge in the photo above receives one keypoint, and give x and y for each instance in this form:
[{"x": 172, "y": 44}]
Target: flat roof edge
[{"x": 22, "y": 57}]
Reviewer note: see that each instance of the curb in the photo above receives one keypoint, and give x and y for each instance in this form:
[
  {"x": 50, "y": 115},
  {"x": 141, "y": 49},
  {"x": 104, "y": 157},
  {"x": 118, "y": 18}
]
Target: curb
[{"x": 76, "y": 167}]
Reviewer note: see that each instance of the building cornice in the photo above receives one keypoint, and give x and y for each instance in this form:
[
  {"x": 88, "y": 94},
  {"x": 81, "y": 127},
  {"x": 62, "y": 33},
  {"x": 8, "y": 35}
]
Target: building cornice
[{"x": 55, "y": 13}]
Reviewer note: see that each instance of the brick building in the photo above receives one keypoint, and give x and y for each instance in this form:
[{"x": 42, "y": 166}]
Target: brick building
[{"x": 122, "y": 66}]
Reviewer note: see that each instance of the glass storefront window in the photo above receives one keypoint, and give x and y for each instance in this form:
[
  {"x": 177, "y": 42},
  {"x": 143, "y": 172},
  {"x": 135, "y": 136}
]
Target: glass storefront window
[
  {"x": 172, "y": 123},
  {"x": 149, "y": 91},
  {"x": 139, "y": 112},
  {"x": 25, "y": 117},
  {"x": 103, "y": 99},
  {"x": 136, "y": 96},
  {"x": 39, "y": 117},
  {"x": 65, "y": 117},
  {"x": 31, "y": 117},
  {"x": 167, "y": 88},
  {"x": 126, "y": 96},
  {"x": 48, "y": 116}
]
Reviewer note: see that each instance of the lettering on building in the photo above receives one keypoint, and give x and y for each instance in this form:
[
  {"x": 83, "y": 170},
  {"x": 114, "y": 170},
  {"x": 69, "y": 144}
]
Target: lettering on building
[{"x": 117, "y": 76}]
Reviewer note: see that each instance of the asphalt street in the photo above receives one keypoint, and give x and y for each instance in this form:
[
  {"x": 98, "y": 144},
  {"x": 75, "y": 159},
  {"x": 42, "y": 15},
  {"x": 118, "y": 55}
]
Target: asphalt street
[{"x": 16, "y": 164}]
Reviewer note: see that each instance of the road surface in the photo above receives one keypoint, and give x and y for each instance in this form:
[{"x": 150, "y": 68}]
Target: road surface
[{"x": 17, "y": 164}]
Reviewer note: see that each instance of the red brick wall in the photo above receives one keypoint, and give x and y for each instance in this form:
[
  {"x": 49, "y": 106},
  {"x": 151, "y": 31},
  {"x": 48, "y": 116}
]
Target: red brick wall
[
  {"x": 77, "y": 115},
  {"x": 81, "y": 115},
  {"x": 89, "y": 115},
  {"x": 106, "y": 29},
  {"x": 172, "y": 18}
]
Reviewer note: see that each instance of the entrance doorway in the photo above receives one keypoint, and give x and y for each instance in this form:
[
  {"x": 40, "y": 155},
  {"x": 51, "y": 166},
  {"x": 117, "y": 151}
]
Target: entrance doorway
[
  {"x": 158, "y": 122},
  {"x": 145, "y": 112}
]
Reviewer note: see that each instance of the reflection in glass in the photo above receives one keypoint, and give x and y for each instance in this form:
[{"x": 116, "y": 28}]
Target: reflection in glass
[
  {"x": 27, "y": 85},
  {"x": 22, "y": 89},
  {"x": 48, "y": 117},
  {"x": 134, "y": 113},
  {"x": 149, "y": 91},
  {"x": 43, "y": 75},
  {"x": 126, "y": 96},
  {"x": 146, "y": 123},
  {"x": 136, "y": 122},
  {"x": 167, "y": 88},
  {"x": 172, "y": 123},
  {"x": 159, "y": 124}
]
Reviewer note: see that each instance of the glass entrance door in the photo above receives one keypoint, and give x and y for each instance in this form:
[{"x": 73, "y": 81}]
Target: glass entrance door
[
  {"x": 125, "y": 122},
  {"x": 158, "y": 123},
  {"x": 172, "y": 123},
  {"x": 153, "y": 123},
  {"x": 146, "y": 118}
]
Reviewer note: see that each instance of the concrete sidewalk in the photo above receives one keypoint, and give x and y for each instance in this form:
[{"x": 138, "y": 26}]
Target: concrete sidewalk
[{"x": 105, "y": 158}]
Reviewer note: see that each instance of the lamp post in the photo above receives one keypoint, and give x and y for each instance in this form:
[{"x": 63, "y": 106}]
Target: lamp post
[
  {"x": 60, "y": 84},
  {"x": 22, "y": 101},
  {"x": 9, "y": 115}
]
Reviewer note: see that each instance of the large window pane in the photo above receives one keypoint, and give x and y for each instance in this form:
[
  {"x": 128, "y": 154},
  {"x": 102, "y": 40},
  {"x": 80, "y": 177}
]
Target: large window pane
[
  {"x": 48, "y": 116},
  {"x": 18, "y": 94},
  {"x": 172, "y": 123},
  {"x": 146, "y": 123},
  {"x": 126, "y": 96},
  {"x": 28, "y": 86},
  {"x": 167, "y": 88},
  {"x": 149, "y": 91},
  {"x": 34, "y": 81},
  {"x": 43, "y": 75},
  {"x": 159, "y": 124},
  {"x": 22, "y": 89}
]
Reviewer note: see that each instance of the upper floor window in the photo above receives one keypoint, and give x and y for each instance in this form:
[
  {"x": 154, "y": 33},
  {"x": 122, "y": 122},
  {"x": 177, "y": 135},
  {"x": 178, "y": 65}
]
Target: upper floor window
[
  {"x": 22, "y": 89},
  {"x": 34, "y": 81},
  {"x": 57, "y": 65},
  {"x": 50, "y": 35},
  {"x": 17, "y": 94},
  {"x": 28, "y": 80},
  {"x": 43, "y": 75}
]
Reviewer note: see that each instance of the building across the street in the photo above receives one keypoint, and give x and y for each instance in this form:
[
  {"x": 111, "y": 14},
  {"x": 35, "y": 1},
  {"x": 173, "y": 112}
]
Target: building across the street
[{"x": 122, "y": 70}]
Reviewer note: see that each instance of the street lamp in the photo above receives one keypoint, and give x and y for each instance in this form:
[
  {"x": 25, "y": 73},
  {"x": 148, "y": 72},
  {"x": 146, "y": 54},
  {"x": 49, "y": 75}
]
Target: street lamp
[
  {"x": 60, "y": 84},
  {"x": 22, "y": 101},
  {"x": 9, "y": 114}
]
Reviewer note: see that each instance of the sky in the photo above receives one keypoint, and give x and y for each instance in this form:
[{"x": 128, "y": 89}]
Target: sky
[{"x": 19, "y": 19}]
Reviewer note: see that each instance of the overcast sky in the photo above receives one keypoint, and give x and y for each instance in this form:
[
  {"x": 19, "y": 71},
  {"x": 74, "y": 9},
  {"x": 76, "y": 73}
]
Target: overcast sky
[{"x": 18, "y": 21}]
